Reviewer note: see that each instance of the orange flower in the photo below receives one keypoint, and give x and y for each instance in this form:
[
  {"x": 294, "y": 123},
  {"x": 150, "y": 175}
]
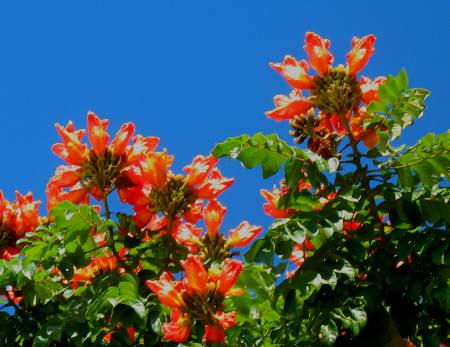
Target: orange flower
[
  {"x": 287, "y": 107},
  {"x": 65, "y": 176},
  {"x": 231, "y": 269},
  {"x": 122, "y": 138},
  {"x": 369, "y": 88},
  {"x": 213, "y": 333},
  {"x": 188, "y": 235},
  {"x": 226, "y": 320},
  {"x": 243, "y": 235},
  {"x": 200, "y": 168},
  {"x": 213, "y": 215},
  {"x": 167, "y": 290},
  {"x": 272, "y": 198},
  {"x": 196, "y": 274},
  {"x": 319, "y": 56},
  {"x": 155, "y": 168},
  {"x": 141, "y": 147},
  {"x": 362, "y": 50},
  {"x": 179, "y": 328},
  {"x": 98, "y": 136},
  {"x": 71, "y": 150},
  {"x": 213, "y": 186},
  {"x": 294, "y": 72}
]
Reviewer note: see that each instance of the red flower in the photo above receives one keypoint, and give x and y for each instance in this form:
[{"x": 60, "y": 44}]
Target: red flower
[
  {"x": 319, "y": 56},
  {"x": 243, "y": 235},
  {"x": 362, "y": 50},
  {"x": 97, "y": 134},
  {"x": 287, "y": 107},
  {"x": 369, "y": 88},
  {"x": 273, "y": 198},
  {"x": 231, "y": 269},
  {"x": 199, "y": 170},
  {"x": 213, "y": 333},
  {"x": 188, "y": 235},
  {"x": 196, "y": 274},
  {"x": 122, "y": 138},
  {"x": 294, "y": 72},
  {"x": 71, "y": 150},
  {"x": 226, "y": 320},
  {"x": 179, "y": 328},
  {"x": 213, "y": 215},
  {"x": 155, "y": 168},
  {"x": 213, "y": 186},
  {"x": 167, "y": 290}
]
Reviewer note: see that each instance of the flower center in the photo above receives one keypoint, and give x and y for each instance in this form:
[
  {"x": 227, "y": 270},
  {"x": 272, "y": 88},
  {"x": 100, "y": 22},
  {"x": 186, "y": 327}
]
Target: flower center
[
  {"x": 174, "y": 199},
  {"x": 6, "y": 236},
  {"x": 336, "y": 92},
  {"x": 202, "y": 308},
  {"x": 102, "y": 172}
]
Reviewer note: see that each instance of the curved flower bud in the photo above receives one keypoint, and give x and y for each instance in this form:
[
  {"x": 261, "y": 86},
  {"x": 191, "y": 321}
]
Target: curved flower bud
[
  {"x": 287, "y": 107},
  {"x": 196, "y": 274},
  {"x": 213, "y": 215},
  {"x": 167, "y": 290},
  {"x": 294, "y": 72},
  {"x": 120, "y": 142},
  {"x": 362, "y": 50},
  {"x": 319, "y": 56},
  {"x": 97, "y": 134},
  {"x": 243, "y": 235}
]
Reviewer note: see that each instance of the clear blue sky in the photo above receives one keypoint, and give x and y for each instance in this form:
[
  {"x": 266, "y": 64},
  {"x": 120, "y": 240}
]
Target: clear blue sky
[{"x": 191, "y": 72}]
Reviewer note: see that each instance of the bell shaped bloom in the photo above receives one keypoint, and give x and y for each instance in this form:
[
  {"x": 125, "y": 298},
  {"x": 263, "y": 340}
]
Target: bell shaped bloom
[
  {"x": 362, "y": 50},
  {"x": 231, "y": 269},
  {"x": 142, "y": 215},
  {"x": 369, "y": 88},
  {"x": 196, "y": 274},
  {"x": 213, "y": 333},
  {"x": 120, "y": 142},
  {"x": 287, "y": 107},
  {"x": 213, "y": 186},
  {"x": 71, "y": 150},
  {"x": 299, "y": 252},
  {"x": 167, "y": 290},
  {"x": 65, "y": 176},
  {"x": 8, "y": 252},
  {"x": 141, "y": 147},
  {"x": 213, "y": 215},
  {"x": 97, "y": 134},
  {"x": 319, "y": 56},
  {"x": 26, "y": 214},
  {"x": 179, "y": 327},
  {"x": 76, "y": 195},
  {"x": 194, "y": 213},
  {"x": 200, "y": 168},
  {"x": 155, "y": 168},
  {"x": 243, "y": 234},
  {"x": 188, "y": 235},
  {"x": 294, "y": 72},
  {"x": 272, "y": 199},
  {"x": 226, "y": 320}
]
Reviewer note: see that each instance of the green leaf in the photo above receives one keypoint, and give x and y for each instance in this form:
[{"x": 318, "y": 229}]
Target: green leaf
[{"x": 266, "y": 150}]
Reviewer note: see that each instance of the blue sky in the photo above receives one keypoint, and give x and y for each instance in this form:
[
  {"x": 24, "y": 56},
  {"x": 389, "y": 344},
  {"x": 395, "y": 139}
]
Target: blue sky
[{"x": 190, "y": 72}]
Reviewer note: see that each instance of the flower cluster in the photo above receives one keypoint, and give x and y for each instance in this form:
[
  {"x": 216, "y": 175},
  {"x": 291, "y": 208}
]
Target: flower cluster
[
  {"x": 16, "y": 219},
  {"x": 100, "y": 169},
  {"x": 199, "y": 296},
  {"x": 336, "y": 92}
]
